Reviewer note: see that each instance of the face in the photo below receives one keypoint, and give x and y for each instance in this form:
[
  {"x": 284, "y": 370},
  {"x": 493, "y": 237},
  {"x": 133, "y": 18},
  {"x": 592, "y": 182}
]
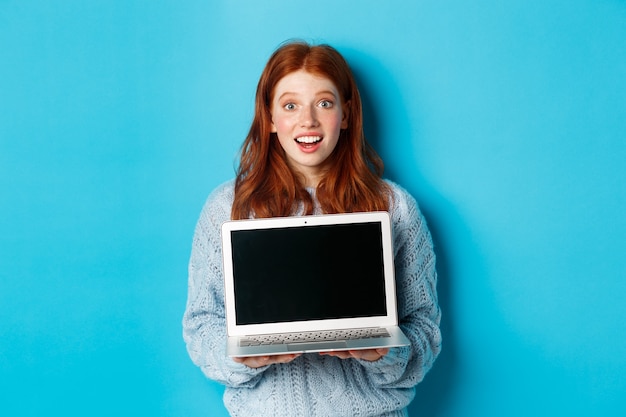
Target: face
[{"x": 307, "y": 116}]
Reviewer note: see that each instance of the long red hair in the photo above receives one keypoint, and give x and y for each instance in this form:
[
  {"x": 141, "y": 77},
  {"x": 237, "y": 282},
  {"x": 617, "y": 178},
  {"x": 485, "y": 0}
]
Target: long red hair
[{"x": 265, "y": 186}]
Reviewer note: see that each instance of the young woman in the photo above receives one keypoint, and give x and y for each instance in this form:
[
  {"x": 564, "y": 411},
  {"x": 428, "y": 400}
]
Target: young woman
[{"x": 306, "y": 154}]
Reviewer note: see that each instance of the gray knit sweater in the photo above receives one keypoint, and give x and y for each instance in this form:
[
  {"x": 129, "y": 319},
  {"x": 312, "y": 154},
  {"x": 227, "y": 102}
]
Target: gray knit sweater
[{"x": 314, "y": 385}]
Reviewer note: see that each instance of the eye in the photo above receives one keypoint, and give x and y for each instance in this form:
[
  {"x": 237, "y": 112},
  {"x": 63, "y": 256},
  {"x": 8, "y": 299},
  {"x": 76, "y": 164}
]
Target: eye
[
  {"x": 289, "y": 106},
  {"x": 326, "y": 104}
]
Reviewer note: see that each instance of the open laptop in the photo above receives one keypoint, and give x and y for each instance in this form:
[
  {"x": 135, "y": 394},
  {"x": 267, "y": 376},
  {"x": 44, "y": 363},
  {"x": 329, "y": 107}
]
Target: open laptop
[{"x": 310, "y": 284}]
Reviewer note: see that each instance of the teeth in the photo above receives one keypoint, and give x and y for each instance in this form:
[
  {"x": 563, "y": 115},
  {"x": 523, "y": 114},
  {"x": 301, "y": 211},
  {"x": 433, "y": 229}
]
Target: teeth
[{"x": 308, "y": 139}]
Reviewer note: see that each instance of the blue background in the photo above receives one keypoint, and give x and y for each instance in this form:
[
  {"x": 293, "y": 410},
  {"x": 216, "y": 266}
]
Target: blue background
[{"x": 506, "y": 119}]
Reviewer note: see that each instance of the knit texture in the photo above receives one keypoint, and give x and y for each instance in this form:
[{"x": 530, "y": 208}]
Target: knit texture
[{"x": 315, "y": 385}]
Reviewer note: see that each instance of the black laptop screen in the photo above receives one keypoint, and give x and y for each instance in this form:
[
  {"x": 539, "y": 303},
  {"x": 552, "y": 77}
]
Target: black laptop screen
[{"x": 308, "y": 273}]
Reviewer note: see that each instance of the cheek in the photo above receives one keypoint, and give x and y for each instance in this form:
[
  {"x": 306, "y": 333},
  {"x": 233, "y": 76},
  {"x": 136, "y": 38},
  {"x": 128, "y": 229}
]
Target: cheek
[
  {"x": 282, "y": 124},
  {"x": 335, "y": 122},
  {"x": 283, "y": 132}
]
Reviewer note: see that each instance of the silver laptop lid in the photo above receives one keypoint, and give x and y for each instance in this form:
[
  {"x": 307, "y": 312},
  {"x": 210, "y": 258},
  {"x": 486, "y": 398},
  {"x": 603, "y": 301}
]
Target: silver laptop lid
[{"x": 308, "y": 273}]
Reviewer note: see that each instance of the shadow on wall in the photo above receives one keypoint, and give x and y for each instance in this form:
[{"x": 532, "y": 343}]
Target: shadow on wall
[
  {"x": 434, "y": 392},
  {"x": 437, "y": 388}
]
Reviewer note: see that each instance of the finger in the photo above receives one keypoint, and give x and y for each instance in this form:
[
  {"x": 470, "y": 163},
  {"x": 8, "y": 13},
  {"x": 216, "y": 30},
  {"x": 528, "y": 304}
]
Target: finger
[
  {"x": 253, "y": 361},
  {"x": 260, "y": 361},
  {"x": 383, "y": 351},
  {"x": 257, "y": 362},
  {"x": 338, "y": 354},
  {"x": 286, "y": 358},
  {"x": 280, "y": 359},
  {"x": 369, "y": 354}
]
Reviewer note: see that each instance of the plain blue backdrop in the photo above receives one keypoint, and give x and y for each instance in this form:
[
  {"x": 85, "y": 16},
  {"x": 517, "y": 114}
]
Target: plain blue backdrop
[{"x": 506, "y": 120}]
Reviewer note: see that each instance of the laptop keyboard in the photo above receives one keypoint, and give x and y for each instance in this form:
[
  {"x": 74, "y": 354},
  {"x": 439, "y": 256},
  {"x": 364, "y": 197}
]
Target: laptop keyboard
[{"x": 308, "y": 337}]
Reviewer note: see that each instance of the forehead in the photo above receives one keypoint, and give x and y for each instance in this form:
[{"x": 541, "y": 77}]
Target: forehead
[{"x": 303, "y": 82}]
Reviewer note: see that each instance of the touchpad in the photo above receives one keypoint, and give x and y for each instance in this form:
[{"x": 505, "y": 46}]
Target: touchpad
[{"x": 317, "y": 346}]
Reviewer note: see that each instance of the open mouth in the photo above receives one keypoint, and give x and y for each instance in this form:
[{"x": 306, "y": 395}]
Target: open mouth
[{"x": 308, "y": 140}]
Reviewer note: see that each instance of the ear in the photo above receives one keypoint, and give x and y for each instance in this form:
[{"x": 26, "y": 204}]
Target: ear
[
  {"x": 345, "y": 109},
  {"x": 272, "y": 124}
]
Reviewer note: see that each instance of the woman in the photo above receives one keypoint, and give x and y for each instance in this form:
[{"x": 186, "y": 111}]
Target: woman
[{"x": 306, "y": 154}]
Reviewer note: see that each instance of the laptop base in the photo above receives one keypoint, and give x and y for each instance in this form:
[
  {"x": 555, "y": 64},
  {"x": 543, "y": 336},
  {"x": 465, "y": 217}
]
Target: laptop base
[{"x": 396, "y": 339}]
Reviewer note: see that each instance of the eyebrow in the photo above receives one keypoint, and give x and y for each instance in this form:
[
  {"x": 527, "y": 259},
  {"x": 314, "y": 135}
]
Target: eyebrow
[{"x": 319, "y": 93}]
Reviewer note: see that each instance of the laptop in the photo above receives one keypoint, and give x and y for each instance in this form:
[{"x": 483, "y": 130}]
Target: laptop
[{"x": 310, "y": 284}]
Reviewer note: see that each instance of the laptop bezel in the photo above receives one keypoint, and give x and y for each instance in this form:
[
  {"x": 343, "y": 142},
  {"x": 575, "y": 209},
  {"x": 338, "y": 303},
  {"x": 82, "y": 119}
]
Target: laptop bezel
[{"x": 390, "y": 319}]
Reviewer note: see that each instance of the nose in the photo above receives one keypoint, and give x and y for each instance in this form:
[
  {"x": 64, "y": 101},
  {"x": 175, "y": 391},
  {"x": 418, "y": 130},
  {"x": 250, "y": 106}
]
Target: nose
[{"x": 308, "y": 116}]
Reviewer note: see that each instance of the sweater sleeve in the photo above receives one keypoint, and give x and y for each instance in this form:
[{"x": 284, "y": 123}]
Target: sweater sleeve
[
  {"x": 204, "y": 322},
  {"x": 418, "y": 309}
]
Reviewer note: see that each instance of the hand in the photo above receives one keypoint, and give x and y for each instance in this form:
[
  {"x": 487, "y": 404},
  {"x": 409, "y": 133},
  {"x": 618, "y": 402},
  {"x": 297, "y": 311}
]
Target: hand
[
  {"x": 260, "y": 361},
  {"x": 369, "y": 355}
]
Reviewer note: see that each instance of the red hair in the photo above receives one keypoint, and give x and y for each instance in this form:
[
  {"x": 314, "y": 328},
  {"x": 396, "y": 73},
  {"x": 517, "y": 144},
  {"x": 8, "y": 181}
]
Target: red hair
[{"x": 265, "y": 186}]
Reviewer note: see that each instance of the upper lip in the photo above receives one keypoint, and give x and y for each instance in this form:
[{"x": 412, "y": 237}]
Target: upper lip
[{"x": 309, "y": 134}]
